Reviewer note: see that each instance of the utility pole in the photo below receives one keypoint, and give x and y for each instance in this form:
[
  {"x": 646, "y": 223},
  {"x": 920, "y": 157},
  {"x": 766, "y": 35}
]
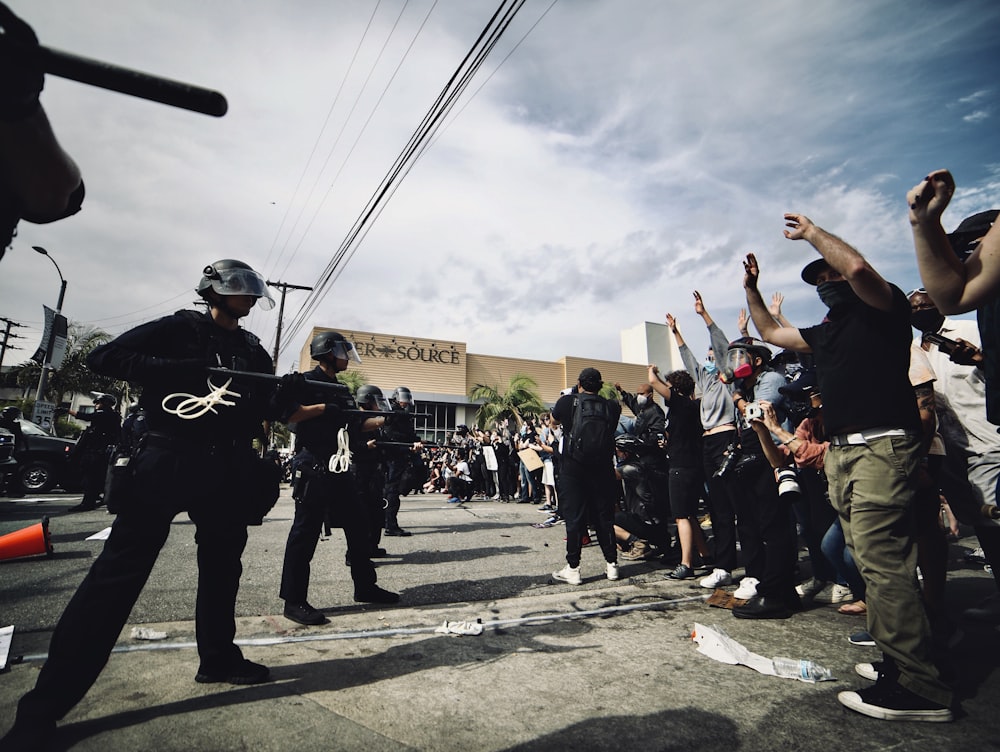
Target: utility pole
[
  {"x": 8, "y": 336},
  {"x": 284, "y": 287}
]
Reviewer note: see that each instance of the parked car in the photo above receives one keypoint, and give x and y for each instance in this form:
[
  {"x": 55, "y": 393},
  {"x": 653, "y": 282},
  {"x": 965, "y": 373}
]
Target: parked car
[{"x": 44, "y": 461}]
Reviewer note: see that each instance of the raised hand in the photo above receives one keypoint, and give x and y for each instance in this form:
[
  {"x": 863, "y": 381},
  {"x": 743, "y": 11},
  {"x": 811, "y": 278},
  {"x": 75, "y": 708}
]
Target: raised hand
[
  {"x": 751, "y": 272},
  {"x": 800, "y": 224},
  {"x": 930, "y": 197},
  {"x": 775, "y": 308},
  {"x": 699, "y": 307}
]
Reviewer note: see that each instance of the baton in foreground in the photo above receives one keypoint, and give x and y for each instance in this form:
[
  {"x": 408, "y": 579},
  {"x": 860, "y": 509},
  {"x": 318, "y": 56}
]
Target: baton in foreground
[{"x": 132, "y": 82}]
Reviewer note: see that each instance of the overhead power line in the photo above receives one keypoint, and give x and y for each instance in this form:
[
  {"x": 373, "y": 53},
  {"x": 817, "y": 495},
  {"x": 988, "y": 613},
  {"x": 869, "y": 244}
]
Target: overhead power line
[{"x": 411, "y": 152}]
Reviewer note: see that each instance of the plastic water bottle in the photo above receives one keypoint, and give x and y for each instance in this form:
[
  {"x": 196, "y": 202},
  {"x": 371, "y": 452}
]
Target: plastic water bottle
[{"x": 803, "y": 670}]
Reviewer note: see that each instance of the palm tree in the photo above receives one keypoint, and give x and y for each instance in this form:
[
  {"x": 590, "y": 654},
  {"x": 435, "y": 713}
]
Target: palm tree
[
  {"x": 518, "y": 400},
  {"x": 73, "y": 376}
]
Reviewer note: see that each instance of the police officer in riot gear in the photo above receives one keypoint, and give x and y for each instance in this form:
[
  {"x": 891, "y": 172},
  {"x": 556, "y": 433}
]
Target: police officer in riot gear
[
  {"x": 204, "y": 466},
  {"x": 398, "y": 429},
  {"x": 91, "y": 451},
  {"x": 328, "y": 489},
  {"x": 367, "y": 467}
]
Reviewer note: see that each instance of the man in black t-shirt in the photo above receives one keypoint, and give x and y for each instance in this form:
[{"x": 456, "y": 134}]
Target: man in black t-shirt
[
  {"x": 587, "y": 484},
  {"x": 872, "y": 462}
]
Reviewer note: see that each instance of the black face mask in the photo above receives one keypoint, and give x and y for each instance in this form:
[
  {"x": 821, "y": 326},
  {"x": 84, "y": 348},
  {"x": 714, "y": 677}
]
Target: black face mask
[
  {"x": 835, "y": 294},
  {"x": 927, "y": 319}
]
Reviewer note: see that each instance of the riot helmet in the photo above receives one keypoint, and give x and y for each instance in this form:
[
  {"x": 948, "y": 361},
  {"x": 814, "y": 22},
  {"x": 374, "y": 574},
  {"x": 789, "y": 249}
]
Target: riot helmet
[
  {"x": 740, "y": 359},
  {"x": 370, "y": 397},
  {"x": 403, "y": 398},
  {"x": 11, "y": 413},
  {"x": 232, "y": 277},
  {"x": 333, "y": 344},
  {"x": 105, "y": 399}
]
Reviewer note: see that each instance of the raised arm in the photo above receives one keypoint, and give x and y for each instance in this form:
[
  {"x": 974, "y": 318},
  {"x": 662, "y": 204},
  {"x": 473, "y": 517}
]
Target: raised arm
[
  {"x": 953, "y": 286},
  {"x": 843, "y": 259},
  {"x": 785, "y": 337}
]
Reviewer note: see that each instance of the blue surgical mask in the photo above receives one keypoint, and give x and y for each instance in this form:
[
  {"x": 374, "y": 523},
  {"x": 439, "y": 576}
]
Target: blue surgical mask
[{"x": 709, "y": 366}]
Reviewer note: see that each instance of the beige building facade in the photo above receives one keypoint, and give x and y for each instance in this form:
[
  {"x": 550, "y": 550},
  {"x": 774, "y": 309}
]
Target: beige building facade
[{"x": 441, "y": 373}]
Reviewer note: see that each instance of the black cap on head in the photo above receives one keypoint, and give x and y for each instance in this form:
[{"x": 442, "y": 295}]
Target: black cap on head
[
  {"x": 590, "y": 379},
  {"x": 970, "y": 230},
  {"x": 802, "y": 385},
  {"x": 811, "y": 270}
]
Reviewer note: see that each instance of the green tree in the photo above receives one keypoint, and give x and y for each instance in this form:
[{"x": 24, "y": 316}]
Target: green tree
[
  {"x": 73, "y": 376},
  {"x": 517, "y": 401},
  {"x": 352, "y": 380}
]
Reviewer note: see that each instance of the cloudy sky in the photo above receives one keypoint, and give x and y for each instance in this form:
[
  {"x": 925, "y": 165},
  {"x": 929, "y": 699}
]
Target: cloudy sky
[{"x": 609, "y": 157}]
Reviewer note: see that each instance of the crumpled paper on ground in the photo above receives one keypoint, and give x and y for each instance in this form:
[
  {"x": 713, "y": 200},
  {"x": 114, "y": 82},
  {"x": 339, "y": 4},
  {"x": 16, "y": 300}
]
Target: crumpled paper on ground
[{"x": 461, "y": 628}]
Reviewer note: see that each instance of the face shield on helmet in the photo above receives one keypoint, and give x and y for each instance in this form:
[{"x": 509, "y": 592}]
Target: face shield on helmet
[
  {"x": 333, "y": 345},
  {"x": 370, "y": 397},
  {"x": 236, "y": 278},
  {"x": 344, "y": 350},
  {"x": 403, "y": 398}
]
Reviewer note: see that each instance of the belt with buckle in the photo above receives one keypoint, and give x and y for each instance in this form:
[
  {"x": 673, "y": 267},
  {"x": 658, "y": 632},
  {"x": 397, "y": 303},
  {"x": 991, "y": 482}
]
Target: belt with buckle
[{"x": 861, "y": 438}]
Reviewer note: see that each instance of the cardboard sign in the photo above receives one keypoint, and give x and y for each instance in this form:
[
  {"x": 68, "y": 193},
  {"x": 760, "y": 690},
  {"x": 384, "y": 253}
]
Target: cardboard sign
[{"x": 530, "y": 459}]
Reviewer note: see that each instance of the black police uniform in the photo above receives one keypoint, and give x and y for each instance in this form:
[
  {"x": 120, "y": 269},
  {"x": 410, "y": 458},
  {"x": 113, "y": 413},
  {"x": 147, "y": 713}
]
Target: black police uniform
[
  {"x": 369, "y": 478},
  {"x": 202, "y": 466},
  {"x": 325, "y": 492},
  {"x": 91, "y": 452},
  {"x": 397, "y": 429}
]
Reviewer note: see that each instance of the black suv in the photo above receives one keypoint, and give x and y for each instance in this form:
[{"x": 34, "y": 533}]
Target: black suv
[{"x": 44, "y": 461}]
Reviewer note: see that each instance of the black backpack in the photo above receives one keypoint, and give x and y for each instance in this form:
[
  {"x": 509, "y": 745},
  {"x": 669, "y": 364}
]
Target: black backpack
[{"x": 590, "y": 437}]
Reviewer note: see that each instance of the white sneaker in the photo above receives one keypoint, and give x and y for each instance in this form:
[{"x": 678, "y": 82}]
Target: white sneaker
[
  {"x": 836, "y": 594},
  {"x": 718, "y": 578},
  {"x": 612, "y": 570},
  {"x": 747, "y": 588},
  {"x": 570, "y": 574},
  {"x": 810, "y": 588}
]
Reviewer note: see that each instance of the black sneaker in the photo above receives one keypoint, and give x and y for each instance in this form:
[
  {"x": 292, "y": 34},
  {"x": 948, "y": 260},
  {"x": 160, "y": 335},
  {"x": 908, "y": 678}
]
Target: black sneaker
[
  {"x": 761, "y": 607},
  {"x": 682, "y": 572},
  {"x": 375, "y": 594},
  {"x": 303, "y": 613},
  {"x": 890, "y": 701},
  {"x": 245, "y": 672},
  {"x": 379, "y": 553},
  {"x": 863, "y": 639},
  {"x": 397, "y": 532}
]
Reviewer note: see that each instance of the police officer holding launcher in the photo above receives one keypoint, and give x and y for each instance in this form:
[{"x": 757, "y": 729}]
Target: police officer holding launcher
[
  {"x": 329, "y": 486},
  {"x": 398, "y": 430},
  {"x": 200, "y": 462}
]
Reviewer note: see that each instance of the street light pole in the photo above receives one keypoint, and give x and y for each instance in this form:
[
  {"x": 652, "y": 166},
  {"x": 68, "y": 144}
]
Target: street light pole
[{"x": 43, "y": 377}]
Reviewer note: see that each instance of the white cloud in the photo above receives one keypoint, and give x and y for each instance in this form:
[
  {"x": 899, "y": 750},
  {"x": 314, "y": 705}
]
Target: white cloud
[{"x": 623, "y": 156}]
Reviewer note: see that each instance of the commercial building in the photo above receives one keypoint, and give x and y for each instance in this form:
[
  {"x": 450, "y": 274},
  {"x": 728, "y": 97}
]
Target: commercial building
[{"x": 441, "y": 373}]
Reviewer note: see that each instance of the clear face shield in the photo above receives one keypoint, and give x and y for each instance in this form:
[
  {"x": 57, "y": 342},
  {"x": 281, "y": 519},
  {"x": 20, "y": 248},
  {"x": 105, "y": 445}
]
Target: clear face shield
[
  {"x": 243, "y": 282},
  {"x": 404, "y": 399},
  {"x": 345, "y": 350},
  {"x": 739, "y": 365},
  {"x": 376, "y": 403}
]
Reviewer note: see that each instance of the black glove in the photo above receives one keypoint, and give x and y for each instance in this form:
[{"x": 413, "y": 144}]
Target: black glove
[
  {"x": 21, "y": 78},
  {"x": 289, "y": 392},
  {"x": 332, "y": 410}
]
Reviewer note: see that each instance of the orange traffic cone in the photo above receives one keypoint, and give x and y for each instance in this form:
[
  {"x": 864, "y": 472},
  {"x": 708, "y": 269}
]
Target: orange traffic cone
[{"x": 28, "y": 541}]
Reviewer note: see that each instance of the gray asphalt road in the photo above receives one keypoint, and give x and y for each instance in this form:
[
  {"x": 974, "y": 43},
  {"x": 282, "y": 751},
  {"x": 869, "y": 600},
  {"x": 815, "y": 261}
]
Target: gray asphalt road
[{"x": 604, "y": 666}]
